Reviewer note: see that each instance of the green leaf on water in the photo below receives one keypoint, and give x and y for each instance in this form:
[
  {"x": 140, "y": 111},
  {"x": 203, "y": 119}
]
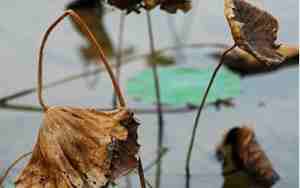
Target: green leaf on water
[{"x": 181, "y": 86}]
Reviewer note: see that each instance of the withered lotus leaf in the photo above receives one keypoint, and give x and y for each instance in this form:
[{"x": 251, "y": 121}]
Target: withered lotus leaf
[
  {"x": 150, "y": 4},
  {"x": 128, "y": 5},
  {"x": 171, "y": 6},
  {"x": 244, "y": 63},
  {"x": 81, "y": 148},
  {"x": 253, "y": 30},
  {"x": 242, "y": 154}
]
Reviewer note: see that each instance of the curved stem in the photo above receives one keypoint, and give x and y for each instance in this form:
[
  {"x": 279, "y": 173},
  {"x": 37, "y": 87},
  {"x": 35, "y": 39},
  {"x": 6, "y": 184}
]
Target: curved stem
[
  {"x": 92, "y": 38},
  {"x": 158, "y": 100},
  {"x": 12, "y": 165},
  {"x": 196, "y": 122},
  {"x": 119, "y": 54}
]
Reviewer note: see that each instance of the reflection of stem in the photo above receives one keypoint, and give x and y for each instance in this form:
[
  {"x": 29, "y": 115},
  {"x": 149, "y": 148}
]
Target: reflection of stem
[
  {"x": 162, "y": 153},
  {"x": 101, "y": 69},
  {"x": 12, "y": 165},
  {"x": 32, "y": 108},
  {"x": 119, "y": 55},
  {"x": 92, "y": 39},
  {"x": 141, "y": 173},
  {"x": 176, "y": 39},
  {"x": 158, "y": 100},
  {"x": 189, "y": 154}
]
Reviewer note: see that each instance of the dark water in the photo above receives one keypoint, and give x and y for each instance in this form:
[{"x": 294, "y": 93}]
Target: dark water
[{"x": 276, "y": 124}]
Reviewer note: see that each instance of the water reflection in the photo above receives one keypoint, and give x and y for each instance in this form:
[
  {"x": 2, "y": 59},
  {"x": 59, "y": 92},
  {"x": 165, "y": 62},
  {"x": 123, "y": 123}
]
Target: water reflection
[
  {"x": 92, "y": 11},
  {"x": 244, "y": 163}
]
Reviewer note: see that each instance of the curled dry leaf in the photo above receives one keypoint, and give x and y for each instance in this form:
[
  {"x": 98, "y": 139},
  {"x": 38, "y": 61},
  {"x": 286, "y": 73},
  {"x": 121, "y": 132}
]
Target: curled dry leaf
[
  {"x": 245, "y": 164},
  {"x": 254, "y": 30},
  {"x": 244, "y": 63},
  {"x": 81, "y": 148}
]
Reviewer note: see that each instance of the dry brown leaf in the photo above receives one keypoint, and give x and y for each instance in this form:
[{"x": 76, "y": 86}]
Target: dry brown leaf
[
  {"x": 253, "y": 30},
  {"x": 128, "y": 5},
  {"x": 81, "y": 148},
  {"x": 244, "y": 63},
  {"x": 150, "y": 4},
  {"x": 171, "y": 6},
  {"x": 244, "y": 160}
]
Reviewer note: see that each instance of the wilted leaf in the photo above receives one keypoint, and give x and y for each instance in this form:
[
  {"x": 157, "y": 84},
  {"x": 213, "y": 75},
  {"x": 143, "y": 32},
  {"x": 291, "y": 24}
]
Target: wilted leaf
[
  {"x": 128, "y": 5},
  {"x": 182, "y": 86},
  {"x": 253, "y": 30},
  {"x": 245, "y": 164},
  {"x": 92, "y": 12},
  {"x": 150, "y": 4},
  {"x": 171, "y": 6},
  {"x": 244, "y": 63},
  {"x": 81, "y": 148}
]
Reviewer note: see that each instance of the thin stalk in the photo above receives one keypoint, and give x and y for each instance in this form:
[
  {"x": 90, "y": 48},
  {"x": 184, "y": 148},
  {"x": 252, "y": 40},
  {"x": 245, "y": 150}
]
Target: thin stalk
[
  {"x": 158, "y": 101},
  {"x": 92, "y": 39},
  {"x": 101, "y": 69},
  {"x": 141, "y": 173},
  {"x": 196, "y": 122},
  {"x": 12, "y": 165},
  {"x": 119, "y": 55}
]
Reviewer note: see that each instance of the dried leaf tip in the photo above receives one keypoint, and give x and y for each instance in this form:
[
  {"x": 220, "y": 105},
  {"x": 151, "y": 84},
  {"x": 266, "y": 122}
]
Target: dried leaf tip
[
  {"x": 82, "y": 148},
  {"x": 253, "y": 30}
]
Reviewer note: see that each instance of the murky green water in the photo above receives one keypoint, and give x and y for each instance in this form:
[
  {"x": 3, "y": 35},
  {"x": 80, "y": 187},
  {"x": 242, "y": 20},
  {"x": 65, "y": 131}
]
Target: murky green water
[{"x": 276, "y": 124}]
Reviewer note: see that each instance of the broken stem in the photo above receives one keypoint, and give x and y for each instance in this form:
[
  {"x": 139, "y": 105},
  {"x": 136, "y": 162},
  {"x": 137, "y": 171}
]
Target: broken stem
[
  {"x": 196, "y": 122},
  {"x": 12, "y": 165},
  {"x": 92, "y": 39},
  {"x": 158, "y": 100}
]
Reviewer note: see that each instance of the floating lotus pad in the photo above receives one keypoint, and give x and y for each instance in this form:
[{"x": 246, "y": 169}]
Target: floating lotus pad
[{"x": 181, "y": 86}]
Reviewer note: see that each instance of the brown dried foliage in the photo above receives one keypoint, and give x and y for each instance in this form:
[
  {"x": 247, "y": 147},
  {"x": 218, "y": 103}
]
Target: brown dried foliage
[
  {"x": 170, "y": 6},
  {"x": 254, "y": 30},
  {"x": 81, "y": 148},
  {"x": 241, "y": 152},
  {"x": 244, "y": 63}
]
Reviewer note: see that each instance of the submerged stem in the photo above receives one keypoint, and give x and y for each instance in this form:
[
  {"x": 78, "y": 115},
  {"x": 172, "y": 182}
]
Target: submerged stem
[
  {"x": 92, "y": 39},
  {"x": 12, "y": 165},
  {"x": 196, "y": 122},
  {"x": 158, "y": 100}
]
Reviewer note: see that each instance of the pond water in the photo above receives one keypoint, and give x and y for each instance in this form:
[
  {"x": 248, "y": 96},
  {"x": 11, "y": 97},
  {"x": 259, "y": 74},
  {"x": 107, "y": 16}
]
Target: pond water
[{"x": 276, "y": 123}]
